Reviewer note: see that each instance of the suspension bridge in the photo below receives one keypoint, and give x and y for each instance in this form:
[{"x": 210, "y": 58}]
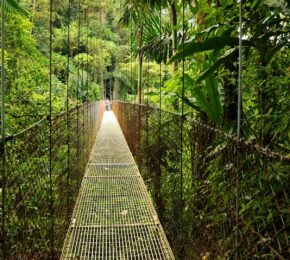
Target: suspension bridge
[
  {"x": 89, "y": 201},
  {"x": 137, "y": 182},
  {"x": 114, "y": 217}
]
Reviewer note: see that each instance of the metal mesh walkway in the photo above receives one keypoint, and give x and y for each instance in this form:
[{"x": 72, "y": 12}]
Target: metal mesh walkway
[{"x": 114, "y": 217}]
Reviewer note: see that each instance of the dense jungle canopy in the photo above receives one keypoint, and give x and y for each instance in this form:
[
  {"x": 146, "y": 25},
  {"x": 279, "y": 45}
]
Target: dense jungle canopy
[
  {"x": 126, "y": 47},
  {"x": 182, "y": 57}
]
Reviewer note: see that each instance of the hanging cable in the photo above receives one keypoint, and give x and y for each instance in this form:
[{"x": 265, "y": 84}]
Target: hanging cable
[
  {"x": 87, "y": 63},
  {"x": 50, "y": 128},
  {"x": 147, "y": 122},
  {"x": 104, "y": 92},
  {"x": 77, "y": 94},
  {"x": 116, "y": 90},
  {"x": 126, "y": 76},
  {"x": 239, "y": 125},
  {"x": 148, "y": 82},
  {"x": 160, "y": 65},
  {"x": 83, "y": 107},
  {"x": 87, "y": 83},
  {"x": 3, "y": 128},
  {"x": 131, "y": 63},
  {"x": 182, "y": 116},
  {"x": 128, "y": 73},
  {"x": 159, "y": 172},
  {"x": 67, "y": 110},
  {"x": 240, "y": 70}
]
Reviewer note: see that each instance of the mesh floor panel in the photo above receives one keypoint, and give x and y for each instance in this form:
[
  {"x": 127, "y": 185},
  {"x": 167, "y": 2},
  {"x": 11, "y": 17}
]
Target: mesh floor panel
[{"x": 114, "y": 217}]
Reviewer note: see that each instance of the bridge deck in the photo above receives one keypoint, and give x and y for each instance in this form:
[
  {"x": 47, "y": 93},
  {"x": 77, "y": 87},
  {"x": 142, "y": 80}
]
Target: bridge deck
[{"x": 114, "y": 217}]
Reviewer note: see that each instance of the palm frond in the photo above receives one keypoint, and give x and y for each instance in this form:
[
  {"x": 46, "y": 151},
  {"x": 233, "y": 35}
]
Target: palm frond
[{"x": 14, "y": 6}]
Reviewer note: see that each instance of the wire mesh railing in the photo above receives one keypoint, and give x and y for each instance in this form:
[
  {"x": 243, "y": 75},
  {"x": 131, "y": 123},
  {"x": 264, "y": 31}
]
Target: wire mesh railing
[
  {"x": 40, "y": 196},
  {"x": 230, "y": 199}
]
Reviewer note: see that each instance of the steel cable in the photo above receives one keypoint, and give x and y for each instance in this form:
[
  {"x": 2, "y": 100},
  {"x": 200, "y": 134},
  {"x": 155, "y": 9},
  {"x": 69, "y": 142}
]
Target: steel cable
[
  {"x": 182, "y": 120},
  {"x": 3, "y": 233},
  {"x": 67, "y": 110},
  {"x": 238, "y": 172},
  {"x": 50, "y": 128}
]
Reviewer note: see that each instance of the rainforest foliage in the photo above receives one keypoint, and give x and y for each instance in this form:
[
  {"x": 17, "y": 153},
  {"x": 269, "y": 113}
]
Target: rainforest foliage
[
  {"x": 120, "y": 48},
  {"x": 84, "y": 45},
  {"x": 187, "y": 53},
  {"x": 205, "y": 35}
]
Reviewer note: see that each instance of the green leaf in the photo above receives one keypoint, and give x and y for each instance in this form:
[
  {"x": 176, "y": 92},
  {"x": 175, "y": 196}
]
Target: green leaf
[
  {"x": 189, "y": 103},
  {"x": 208, "y": 100},
  {"x": 224, "y": 3},
  {"x": 193, "y": 9},
  {"x": 269, "y": 55},
  {"x": 14, "y": 6},
  {"x": 282, "y": 5},
  {"x": 214, "y": 98},
  {"x": 151, "y": 93},
  {"x": 202, "y": 101},
  {"x": 213, "y": 43},
  {"x": 224, "y": 58},
  {"x": 200, "y": 97}
]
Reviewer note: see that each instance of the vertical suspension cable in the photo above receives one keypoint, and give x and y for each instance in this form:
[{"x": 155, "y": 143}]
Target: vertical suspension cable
[
  {"x": 240, "y": 70},
  {"x": 87, "y": 63},
  {"x": 131, "y": 62},
  {"x": 117, "y": 86},
  {"x": 50, "y": 129},
  {"x": 160, "y": 66},
  {"x": 239, "y": 125},
  {"x": 182, "y": 118},
  {"x": 77, "y": 94},
  {"x": 148, "y": 82},
  {"x": 101, "y": 51},
  {"x": 128, "y": 68},
  {"x": 87, "y": 85},
  {"x": 160, "y": 112},
  {"x": 147, "y": 122},
  {"x": 67, "y": 110},
  {"x": 135, "y": 96},
  {"x": 83, "y": 109},
  {"x": 124, "y": 92},
  {"x": 3, "y": 232}
]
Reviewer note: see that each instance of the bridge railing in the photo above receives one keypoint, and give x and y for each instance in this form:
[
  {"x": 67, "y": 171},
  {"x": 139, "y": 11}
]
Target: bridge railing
[
  {"x": 231, "y": 196},
  {"x": 43, "y": 177}
]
